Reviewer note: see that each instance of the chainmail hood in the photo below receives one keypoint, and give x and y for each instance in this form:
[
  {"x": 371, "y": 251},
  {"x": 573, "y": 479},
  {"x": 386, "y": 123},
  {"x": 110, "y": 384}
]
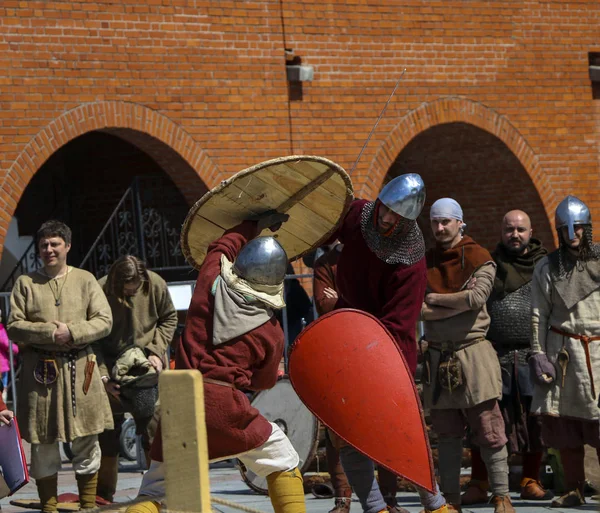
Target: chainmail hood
[{"x": 405, "y": 245}]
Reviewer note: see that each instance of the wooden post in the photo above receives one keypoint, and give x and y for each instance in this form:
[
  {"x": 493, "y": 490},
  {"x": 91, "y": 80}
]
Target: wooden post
[{"x": 185, "y": 448}]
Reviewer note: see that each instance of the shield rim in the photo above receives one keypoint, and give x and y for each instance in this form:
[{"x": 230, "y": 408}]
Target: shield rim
[
  {"x": 313, "y": 451},
  {"x": 185, "y": 227},
  {"x": 414, "y": 389}
]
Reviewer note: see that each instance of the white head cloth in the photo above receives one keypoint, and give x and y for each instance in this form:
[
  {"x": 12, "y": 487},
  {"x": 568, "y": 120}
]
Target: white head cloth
[{"x": 446, "y": 208}]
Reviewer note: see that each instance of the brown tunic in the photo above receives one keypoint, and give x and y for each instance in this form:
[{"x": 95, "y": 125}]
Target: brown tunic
[
  {"x": 325, "y": 269},
  {"x": 47, "y": 414},
  {"x": 149, "y": 323},
  {"x": 250, "y": 361}
]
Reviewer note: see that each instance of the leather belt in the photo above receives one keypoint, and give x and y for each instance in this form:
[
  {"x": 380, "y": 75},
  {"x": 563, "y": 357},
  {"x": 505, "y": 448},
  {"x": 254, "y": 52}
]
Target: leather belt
[
  {"x": 585, "y": 340},
  {"x": 218, "y": 382},
  {"x": 71, "y": 356}
]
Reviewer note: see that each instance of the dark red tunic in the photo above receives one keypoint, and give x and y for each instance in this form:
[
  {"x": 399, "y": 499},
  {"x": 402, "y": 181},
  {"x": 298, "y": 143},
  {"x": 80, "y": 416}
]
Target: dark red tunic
[
  {"x": 249, "y": 362},
  {"x": 393, "y": 293}
]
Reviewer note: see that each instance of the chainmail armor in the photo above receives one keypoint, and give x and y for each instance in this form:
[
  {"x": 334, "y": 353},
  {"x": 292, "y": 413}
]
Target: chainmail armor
[
  {"x": 510, "y": 320},
  {"x": 404, "y": 246}
]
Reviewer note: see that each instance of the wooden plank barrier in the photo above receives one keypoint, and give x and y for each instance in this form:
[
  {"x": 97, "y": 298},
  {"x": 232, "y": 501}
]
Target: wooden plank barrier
[{"x": 185, "y": 450}]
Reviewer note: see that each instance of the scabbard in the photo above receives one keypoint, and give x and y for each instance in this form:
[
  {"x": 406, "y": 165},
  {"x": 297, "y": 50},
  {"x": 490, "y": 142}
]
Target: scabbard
[{"x": 89, "y": 372}]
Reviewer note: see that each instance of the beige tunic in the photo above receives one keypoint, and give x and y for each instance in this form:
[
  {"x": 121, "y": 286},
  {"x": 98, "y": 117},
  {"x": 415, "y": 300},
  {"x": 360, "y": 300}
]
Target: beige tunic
[
  {"x": 150, "y": 323},
  {"x": 480, "y": 365},
  {"x": 46, "y": 413},
  {"x": 575, "y": 399}
]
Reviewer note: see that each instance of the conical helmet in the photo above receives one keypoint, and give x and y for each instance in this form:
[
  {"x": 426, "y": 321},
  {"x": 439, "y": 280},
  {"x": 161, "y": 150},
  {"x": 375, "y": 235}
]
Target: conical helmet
[
  {"x": 570, "y": 212},
  {"x": 262, "y": 261},
  {"x": 404, "y": 195}
]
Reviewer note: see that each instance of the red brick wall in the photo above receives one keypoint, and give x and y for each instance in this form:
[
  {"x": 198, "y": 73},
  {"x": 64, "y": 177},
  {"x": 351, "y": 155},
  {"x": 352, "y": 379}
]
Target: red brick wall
[{"x": 207, "y": 79}]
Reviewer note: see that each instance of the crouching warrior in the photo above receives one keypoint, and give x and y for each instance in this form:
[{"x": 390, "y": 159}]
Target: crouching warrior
[
  {"x": 232, "y": 337},
  {"x": 566, "y": 345}
]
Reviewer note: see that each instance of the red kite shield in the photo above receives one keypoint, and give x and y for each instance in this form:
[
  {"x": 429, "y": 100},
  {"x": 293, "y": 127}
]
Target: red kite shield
[{"x": 349, "y": 372}]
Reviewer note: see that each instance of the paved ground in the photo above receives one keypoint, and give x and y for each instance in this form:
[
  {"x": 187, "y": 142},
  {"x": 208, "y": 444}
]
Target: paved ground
[{"x": 227, "y": 484}]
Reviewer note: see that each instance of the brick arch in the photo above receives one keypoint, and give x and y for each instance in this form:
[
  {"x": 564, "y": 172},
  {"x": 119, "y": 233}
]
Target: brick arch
[
  {"x": 452, "y": 110},
  {"x": 165, "y": 141}
]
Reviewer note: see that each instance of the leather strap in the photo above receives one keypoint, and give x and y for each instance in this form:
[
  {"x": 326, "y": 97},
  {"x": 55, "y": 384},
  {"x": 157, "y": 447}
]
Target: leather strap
[
  {"x": 218, "y": 382},
  {"x": 585, "y": 340}
]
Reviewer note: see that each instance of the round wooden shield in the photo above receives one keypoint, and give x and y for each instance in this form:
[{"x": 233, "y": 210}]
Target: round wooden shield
[
  {"x": 314, "y": 191},
  {"x": 282, "y": 406}
]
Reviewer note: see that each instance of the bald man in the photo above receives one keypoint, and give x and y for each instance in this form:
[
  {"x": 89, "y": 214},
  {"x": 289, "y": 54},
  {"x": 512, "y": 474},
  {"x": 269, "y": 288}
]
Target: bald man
[{"x": 509, "y": 307}]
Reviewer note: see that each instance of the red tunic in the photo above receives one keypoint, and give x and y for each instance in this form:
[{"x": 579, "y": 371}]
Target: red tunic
[
  {"x": 2, "y": 405},
  {"x": 393, "y": 293},
  {"x": 249, "y": 362}
]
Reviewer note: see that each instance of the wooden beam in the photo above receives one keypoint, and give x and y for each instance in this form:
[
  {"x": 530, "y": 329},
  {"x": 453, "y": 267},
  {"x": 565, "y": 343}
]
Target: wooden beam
[{"x": 185, "y": 448}]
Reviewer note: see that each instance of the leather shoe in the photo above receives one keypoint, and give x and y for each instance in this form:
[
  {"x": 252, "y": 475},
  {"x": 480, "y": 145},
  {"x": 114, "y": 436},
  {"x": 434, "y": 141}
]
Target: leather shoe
[
  {"x": 476, "y": 493},
  {"x": 502, "y": 504},
  {"x": 569, "y": 500},
  {"x": 532, "y": 490}
]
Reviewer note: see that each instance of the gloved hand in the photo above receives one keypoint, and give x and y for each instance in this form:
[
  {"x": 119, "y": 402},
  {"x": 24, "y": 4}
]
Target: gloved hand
[
  {"x": 271, "y": 219},
  {"x": 542, "y": 369}
]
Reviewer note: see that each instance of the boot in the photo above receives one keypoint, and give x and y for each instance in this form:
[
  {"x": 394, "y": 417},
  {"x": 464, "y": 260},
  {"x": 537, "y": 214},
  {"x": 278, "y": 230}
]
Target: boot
[
  {"x": 569, "y": 500},
  {"x": 107, "y": 477},
  {"x": 502, "y": 504},
  {"x": 476, "y": 493},
  {"x": 446, "y": 508},
  {"x": 48, "y": 491},
  {"x": 341, "y": 505},
  {"x": 87, "y": 484},
  {"x": 144, "y": 507},
  {"x": 286, "y": 491},
  {"x": 532, "y": 490}
]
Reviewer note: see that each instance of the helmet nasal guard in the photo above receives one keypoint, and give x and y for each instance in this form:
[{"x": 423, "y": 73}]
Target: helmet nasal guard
[{"x": 570, "y": 212}]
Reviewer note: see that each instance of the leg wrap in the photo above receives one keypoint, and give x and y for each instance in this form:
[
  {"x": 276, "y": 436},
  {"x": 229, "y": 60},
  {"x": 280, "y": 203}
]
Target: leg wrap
[
  {"x": 450, "y": 450},
  {"x": 431, "y": 501},
  {"x": 361, "y": 475},
  {"x": 496, "y": 462},
  {"x": 286, "y": 491}
]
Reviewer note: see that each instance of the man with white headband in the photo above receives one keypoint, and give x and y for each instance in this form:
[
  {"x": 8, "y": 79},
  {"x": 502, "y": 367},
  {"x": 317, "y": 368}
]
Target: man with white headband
[{"x": 462, "y": 380}]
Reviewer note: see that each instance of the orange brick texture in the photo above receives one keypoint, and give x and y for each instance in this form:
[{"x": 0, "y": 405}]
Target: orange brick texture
[{"x": 495, "y": 108}]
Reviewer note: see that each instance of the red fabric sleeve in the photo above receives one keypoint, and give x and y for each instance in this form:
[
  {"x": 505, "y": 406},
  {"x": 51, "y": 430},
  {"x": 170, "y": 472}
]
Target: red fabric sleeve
[
  {"x": 348, "y": 225},
  {"x": 2, "y": 404},
  {"x": 264, "y": 376},
  {"x": 400, "y": 314},
  {"x": 233, "y": 240}
]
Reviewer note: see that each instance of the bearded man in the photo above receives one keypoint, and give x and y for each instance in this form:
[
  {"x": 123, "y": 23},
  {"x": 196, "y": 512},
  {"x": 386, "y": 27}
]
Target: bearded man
[
  {"x": 381, "y": 271},
  {"x": 509, "y": 308},
  {"x": 462, "y": 373},
  {"x": 566, "y": 345}
]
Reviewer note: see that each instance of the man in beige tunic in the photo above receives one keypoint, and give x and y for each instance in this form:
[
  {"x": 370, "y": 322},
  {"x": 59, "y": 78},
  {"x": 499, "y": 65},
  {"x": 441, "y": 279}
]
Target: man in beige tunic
[
  {"x": 462, "y": 372},
  {"x": 143, "y": 317},
  {"x": 565, "y": 345},
  {"x": 56, "y": 313}
]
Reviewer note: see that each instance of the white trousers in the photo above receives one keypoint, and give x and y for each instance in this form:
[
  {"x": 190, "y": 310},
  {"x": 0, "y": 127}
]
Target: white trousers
[
  {"x": 45, "y": 458},
  {"x": 276, "y": 455}
]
